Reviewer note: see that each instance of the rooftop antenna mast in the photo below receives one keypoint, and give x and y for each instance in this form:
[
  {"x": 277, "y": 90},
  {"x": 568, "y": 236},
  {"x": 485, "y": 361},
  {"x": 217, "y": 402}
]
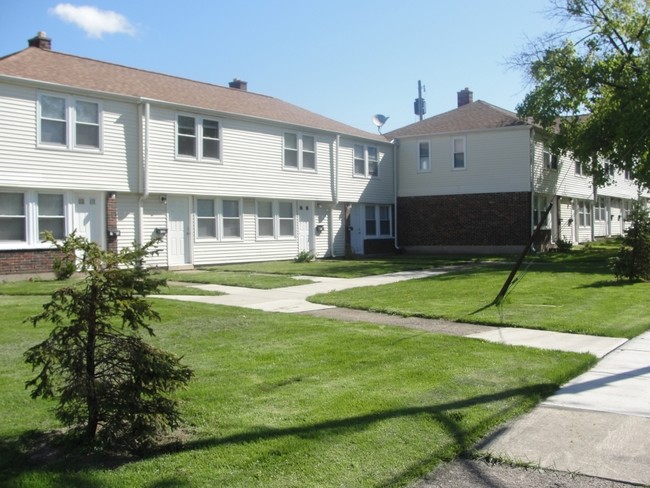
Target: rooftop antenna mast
[{"x": 420, "y": 105}]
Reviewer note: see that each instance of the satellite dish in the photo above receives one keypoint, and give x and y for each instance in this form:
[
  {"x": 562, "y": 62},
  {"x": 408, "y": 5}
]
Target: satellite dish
[{"x": 379, "y": 120}]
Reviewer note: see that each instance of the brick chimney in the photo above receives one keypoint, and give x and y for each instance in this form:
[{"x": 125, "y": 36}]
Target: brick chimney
[
  {"x": 238, "y": 85},
  {"x": 465, "y": 97},
  {"x": 41, "y": 41}
]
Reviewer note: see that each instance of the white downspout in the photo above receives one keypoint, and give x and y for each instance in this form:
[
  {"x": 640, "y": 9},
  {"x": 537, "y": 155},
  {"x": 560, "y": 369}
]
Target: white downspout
[
  {"x": 335, "y": 194},
  {"x": 532, "y": 179},
  {"x": 395, "y": 186},
  {"x": 144, "y": 165}
]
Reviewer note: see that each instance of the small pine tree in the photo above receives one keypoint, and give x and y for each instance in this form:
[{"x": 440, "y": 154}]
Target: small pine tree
[
  {"x": 633, "y": 259},
  {"x": 112, "y": 387}
]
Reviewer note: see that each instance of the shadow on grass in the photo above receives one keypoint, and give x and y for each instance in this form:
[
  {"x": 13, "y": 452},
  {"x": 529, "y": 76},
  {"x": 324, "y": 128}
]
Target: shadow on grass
[{"x": 33, "y": 453}]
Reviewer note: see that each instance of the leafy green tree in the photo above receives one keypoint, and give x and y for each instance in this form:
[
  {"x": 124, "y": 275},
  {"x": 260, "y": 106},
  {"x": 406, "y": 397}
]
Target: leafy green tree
[
  {"x": 112, "y": 387},
  {"x": 633, "y": 259},
  {"x": 598, "y": 64}
]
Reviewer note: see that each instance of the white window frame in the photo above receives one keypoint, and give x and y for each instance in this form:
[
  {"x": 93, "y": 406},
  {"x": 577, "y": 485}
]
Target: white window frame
[
  {"x": 33, "y": 240},
  {"x": 584, "y": 213},
  {"x": 70, "y": 124},
  {"x": 301, "y": 151},
  {"x": 375, "y": 212},
  {"x": 219, "y": 219},
  {"x": 578, "y": 169},
  {"x": 367, "y": 160},
  {"x": 199, "y": 138},
  {"x": 550, "y": 159},
  {"x": 14, "y": 216},
  {"x": 540, "y": 204},
  {"x": 424, "y": 162},
  {"x": 463, "y": 140},
  {"x": 600, "y": 210},
  {"x": 276, "y": 219}
]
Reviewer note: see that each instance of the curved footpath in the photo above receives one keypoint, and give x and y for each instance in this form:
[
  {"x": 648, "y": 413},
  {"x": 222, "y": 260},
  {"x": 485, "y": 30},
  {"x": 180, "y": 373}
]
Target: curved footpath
[{"x": 597, "y": 425}]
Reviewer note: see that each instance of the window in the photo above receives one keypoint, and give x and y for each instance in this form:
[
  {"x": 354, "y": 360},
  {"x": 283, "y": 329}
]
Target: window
[
  {"x": 12, "y": 217},
  {"x": 539, "y": 207},
  {"x": 206, "y": 219},
  {"x": 424, "y": 163},
  {"x": 378, "y": 221},
  {"x": 265, "y": 219},
  {"x": 550, "y": 160},
  {"x": 231, "y": 219},
  {"x": 197, "y": 138},
  {"x": 287, "y": 219},
  {"x": 275, "y": 219},
  {"x": 600, "y": 210},
  {"x": 366, "y": 160},
  {"x": 299, "y": 151},
  {"x": 51, "y": 216},
  {"x": 627, "y": 174},
  {"x": 459, "y": 152},
  {"x": 214, "y": 224},
  {"x": 584, "y": 213},
  {"x": 579, "y": 170},
  {"x": 55, "y": 129}
]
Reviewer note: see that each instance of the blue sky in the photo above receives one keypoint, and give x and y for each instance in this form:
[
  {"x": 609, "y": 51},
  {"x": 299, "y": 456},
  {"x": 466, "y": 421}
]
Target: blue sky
[{"x": 345, "y": 59}]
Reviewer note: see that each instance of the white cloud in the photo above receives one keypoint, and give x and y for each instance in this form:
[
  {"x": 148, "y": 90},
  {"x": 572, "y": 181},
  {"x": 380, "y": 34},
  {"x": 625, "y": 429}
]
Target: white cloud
[{"x": 94, "y": 21}]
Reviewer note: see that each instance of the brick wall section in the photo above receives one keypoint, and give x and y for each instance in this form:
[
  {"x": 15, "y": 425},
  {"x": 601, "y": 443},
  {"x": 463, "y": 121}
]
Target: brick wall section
[
  {"x": 378, "y": 246},
  {"x": 27, "y": 261},
  {"x": 111, "y": 221},
  {"x": 487, "y": 219}
]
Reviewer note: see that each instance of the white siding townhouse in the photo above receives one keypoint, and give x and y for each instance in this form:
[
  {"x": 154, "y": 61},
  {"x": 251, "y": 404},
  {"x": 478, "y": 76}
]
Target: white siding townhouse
[
  {"x": 222, "y": 174},
  {"x": 477, "y": 179}
]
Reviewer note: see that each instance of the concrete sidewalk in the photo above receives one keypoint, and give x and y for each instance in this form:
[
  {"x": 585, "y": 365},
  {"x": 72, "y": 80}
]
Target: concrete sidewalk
[{"x": 597, "y": 425}]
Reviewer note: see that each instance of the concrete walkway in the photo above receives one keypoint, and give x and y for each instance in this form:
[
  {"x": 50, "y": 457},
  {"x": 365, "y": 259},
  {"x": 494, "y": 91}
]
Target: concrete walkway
[{"x": 596, "y": 425}]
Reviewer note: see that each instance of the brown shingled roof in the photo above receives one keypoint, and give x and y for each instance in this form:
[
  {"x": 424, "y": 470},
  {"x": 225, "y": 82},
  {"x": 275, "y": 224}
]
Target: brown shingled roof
[
  {"x": 472, "y": 116},
  {"x": 73, "y": 71}
]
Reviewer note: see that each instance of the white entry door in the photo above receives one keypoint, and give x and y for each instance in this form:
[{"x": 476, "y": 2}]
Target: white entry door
[
  {"x": 88, "y": 217},
  {"x": 178, "y": 231},
  {"x": 304, "y": 226},
  {"x": 357, "y": 223}
]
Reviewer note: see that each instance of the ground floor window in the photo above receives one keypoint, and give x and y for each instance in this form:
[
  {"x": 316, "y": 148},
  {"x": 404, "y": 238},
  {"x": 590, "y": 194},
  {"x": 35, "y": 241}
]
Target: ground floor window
[
  {"x": 600, "y": 210},
  {"x": 25, "y": 216},
  {"x": 539, "y": 207},
  {"x": 275, "y": 219},
  {"x": 584, "y": 213},
  {"x": 218, "y": 218},
  {"x": 378, "y": 221}
]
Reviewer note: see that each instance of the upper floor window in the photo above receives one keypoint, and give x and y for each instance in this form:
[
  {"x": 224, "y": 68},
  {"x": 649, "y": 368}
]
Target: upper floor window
[
  {"x": 550, "y": 160},
  {"x": 218, "y": 219},
  {"x": 69, "y": 123},
  {"x": 458, "y": 144},
  {"x": 378, "y": 220},
  {"x": 366, "y": 160},
  {"x": 299, "y": 151},
  {"x": 627, "y": 174},
  {"x": 424, "y": 161},
  {"x": 198, "y": 138},
  {"x": 579, "y": 170}
]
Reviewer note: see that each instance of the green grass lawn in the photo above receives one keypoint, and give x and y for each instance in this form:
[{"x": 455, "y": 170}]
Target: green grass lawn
[
  {"x": 554, "y": 293},
  {"x": 285, "y": 400}
]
